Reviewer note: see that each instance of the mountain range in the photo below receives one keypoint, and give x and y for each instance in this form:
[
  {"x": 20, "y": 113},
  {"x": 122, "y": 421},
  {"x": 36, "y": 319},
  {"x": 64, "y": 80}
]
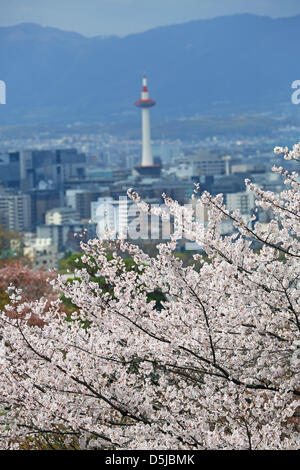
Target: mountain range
[{"x": 227, "y": 65}]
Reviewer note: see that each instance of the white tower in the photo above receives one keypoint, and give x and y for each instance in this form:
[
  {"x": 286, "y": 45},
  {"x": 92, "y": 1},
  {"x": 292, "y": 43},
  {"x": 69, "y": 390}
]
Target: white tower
[
  {"x": 227, "y": 159},
  {"x": 146, "y": 103}
]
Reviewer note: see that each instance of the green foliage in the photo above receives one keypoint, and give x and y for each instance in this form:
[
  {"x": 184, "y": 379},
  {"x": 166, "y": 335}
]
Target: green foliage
[
  {"x": 68, "y": 263},
  {"x": 75, "y": 261},
  {"x": 5, "y": 238},
  {"x": 4, "y": 299}
]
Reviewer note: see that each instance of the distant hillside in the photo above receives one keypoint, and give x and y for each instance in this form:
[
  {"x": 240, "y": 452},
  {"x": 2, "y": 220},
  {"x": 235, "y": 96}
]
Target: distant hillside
[{"x": 234, "y": 64}]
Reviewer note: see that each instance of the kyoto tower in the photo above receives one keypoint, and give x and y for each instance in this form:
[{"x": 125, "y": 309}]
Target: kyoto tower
[{"x": 147, "y": 168}]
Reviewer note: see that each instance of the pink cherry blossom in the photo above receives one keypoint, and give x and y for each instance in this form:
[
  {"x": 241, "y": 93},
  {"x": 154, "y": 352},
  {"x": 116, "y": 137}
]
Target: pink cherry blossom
[{"x": 217, "y": 367}]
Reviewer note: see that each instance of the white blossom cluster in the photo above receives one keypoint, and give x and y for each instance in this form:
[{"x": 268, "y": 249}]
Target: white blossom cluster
[
  {"x": 215, "y": 367},
  {"x": 293, "y": 154}
]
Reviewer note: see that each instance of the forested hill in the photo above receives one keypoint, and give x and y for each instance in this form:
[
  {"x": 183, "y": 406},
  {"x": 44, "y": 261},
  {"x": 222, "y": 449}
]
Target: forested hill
[{"x": 240, "y": 63}]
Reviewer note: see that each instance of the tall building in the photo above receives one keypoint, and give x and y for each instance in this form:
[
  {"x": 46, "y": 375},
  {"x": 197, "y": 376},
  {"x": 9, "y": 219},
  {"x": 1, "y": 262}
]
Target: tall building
[
  {"x": 43, "y": 200},
  {"x": 147, "y": 168},
  {"x": 10, "y": 170},
  {"x": 244, "y": 201},
  {"x": 80, "y": 200},
  {"x": 29, "y": 169},
  {"x": 15, "y": 211}
]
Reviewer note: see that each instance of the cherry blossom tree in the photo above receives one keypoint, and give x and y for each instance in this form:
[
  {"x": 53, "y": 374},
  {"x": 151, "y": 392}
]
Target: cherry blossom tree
[
  {"x": 35, "y": 283},
  {"x": 215, "y": 367}
]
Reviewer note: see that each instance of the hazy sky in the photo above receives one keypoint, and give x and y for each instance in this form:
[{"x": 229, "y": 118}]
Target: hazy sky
[{"x": 103, "y": 17}]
